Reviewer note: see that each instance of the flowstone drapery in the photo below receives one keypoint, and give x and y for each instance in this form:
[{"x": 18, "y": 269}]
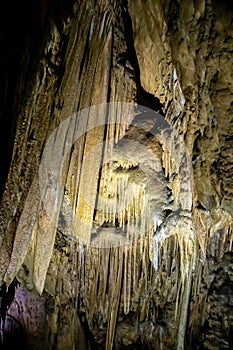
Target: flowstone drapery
[{"x": 116, "y": 216}]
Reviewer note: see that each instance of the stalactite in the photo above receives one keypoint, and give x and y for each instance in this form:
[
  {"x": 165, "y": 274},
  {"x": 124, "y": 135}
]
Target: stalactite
[
  {"x": 115, "y": 298},
  {"x": 23, "y": 234},
  {"x": 125, "y": 283},
  {"x": 109, "y": 200},
  {"x": 231, "y": 237}
]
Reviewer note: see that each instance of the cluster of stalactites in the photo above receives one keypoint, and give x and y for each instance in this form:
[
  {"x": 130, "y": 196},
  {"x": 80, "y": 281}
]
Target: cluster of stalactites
[{"x": 122, "y": 203}]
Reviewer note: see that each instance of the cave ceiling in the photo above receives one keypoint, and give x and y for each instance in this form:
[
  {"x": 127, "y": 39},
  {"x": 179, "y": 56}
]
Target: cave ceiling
[{"x": 116, "y": 175}]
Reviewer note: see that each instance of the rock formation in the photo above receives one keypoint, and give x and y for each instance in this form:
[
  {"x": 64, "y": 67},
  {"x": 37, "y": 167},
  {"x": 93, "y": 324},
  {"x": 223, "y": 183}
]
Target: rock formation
[{"x": 116, "y": 175}]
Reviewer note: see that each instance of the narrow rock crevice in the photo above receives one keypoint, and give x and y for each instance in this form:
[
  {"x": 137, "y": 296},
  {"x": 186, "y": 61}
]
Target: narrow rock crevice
[{"x": 143, "y": 97}]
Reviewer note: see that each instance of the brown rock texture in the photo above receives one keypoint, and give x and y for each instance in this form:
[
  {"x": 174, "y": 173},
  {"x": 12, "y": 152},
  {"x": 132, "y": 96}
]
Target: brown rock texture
[{"x": 116, "y": 175}]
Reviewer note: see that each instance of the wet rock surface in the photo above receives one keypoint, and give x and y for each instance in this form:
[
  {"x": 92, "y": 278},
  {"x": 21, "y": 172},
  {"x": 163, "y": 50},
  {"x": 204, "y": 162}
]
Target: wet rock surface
[{"x": 71, "y": 285}]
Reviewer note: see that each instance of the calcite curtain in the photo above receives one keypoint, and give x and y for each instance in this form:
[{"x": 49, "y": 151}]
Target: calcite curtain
[{"x": 116, "y": 185}]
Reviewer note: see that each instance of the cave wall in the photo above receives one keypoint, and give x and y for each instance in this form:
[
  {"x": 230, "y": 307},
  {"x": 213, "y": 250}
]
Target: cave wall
[{"x": 172, "y": 287}]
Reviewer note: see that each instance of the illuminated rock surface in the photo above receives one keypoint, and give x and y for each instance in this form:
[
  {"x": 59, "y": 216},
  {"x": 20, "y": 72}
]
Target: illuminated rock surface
[{"x": 116, "y": 222}]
